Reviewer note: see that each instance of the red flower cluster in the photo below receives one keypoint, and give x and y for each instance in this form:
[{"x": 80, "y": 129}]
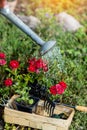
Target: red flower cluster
[
  {"x": 8, "y": 82},
  {"x": 14, "y": 64},
  {"x": 2, "y": 55},
  {"x": 58, "y": 88},
  {"x": 2, "y": 58},
  {"x": 2, "y": 61},
  {"x": 35, "y": 65}
]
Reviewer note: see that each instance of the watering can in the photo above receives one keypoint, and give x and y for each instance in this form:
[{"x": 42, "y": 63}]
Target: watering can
[{"x": 44, "y": 46}]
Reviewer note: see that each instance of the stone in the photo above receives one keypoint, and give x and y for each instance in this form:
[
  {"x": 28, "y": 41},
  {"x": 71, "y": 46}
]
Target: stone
[
  {"x": 31, "y": 21},
  {"x": 68, "y": 22}
]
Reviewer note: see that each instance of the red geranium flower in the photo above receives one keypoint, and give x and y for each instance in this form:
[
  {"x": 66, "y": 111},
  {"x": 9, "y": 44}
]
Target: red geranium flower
[
  {"x": 36, "y": 65},
  {"x": 32, "y": 68},
  {"x": 45, "y": 69},
  {"x": 2, "y": 55},
  {"x": 8, "y": 82},
  {"x": 32, "y": 61},
  {"x": 53, "y": 90},
  {"x": 63, "y": 84},
  {"x": 14, "y": 64},
  {"x": 39, "y": 63},
  {"x": 2, "y": 62},
  {"x": 58, "y": 88},
  {"x": 32, "y": 65}
]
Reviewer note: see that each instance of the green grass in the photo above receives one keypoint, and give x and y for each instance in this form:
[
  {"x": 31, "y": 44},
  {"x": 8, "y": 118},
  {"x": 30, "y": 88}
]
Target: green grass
[
  {"x": 74, "y": 51},
  {"x": 73, "y": 48}
]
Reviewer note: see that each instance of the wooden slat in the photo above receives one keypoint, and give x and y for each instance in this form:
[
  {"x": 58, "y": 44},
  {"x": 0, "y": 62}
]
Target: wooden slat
[{"x": 36, "y": 121}]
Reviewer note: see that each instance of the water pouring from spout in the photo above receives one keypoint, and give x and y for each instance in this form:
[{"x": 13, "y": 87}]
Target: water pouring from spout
[{"x": 55, "y": 59}]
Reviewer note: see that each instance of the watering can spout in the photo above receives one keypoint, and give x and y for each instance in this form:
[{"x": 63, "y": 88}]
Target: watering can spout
[
  {"x": 5, "y": 11},
  {"x": 47, "y": 46}
]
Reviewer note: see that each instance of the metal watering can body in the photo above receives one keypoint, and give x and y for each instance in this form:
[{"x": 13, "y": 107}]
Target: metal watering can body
[{"x": 5, "y": 11}]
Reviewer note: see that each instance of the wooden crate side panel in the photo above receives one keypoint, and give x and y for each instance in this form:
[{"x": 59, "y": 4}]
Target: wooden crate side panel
[
  {"x": 48, "y": 127},
  {"x": 35, "y": 121},
  {"x": 51, "y": 127},
  {"x": 33, "y": 124}
]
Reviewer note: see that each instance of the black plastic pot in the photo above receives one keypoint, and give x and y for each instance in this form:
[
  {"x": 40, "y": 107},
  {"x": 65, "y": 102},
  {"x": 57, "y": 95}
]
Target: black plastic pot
[{"x": 28, "y": 108}]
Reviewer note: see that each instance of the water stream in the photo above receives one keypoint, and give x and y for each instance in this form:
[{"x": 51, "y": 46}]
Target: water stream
[{"x": 55, "y": 61}]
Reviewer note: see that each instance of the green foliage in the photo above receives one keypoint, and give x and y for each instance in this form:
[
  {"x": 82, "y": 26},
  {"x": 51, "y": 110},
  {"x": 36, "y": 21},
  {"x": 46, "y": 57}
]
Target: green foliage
[
  {"x": 73, "y": 48},
  {"x": 15, "y": 43}
]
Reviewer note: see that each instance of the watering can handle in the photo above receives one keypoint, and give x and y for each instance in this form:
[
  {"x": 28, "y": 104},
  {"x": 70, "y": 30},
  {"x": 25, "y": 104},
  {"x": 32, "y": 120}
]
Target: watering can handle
[
  {"x": 81, "y": 108},
  {"x": 3, "y": 3}
]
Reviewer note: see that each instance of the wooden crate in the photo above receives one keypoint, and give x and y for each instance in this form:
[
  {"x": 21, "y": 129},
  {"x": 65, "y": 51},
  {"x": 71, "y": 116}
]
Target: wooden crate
[{"x": 40, "y": 119}]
